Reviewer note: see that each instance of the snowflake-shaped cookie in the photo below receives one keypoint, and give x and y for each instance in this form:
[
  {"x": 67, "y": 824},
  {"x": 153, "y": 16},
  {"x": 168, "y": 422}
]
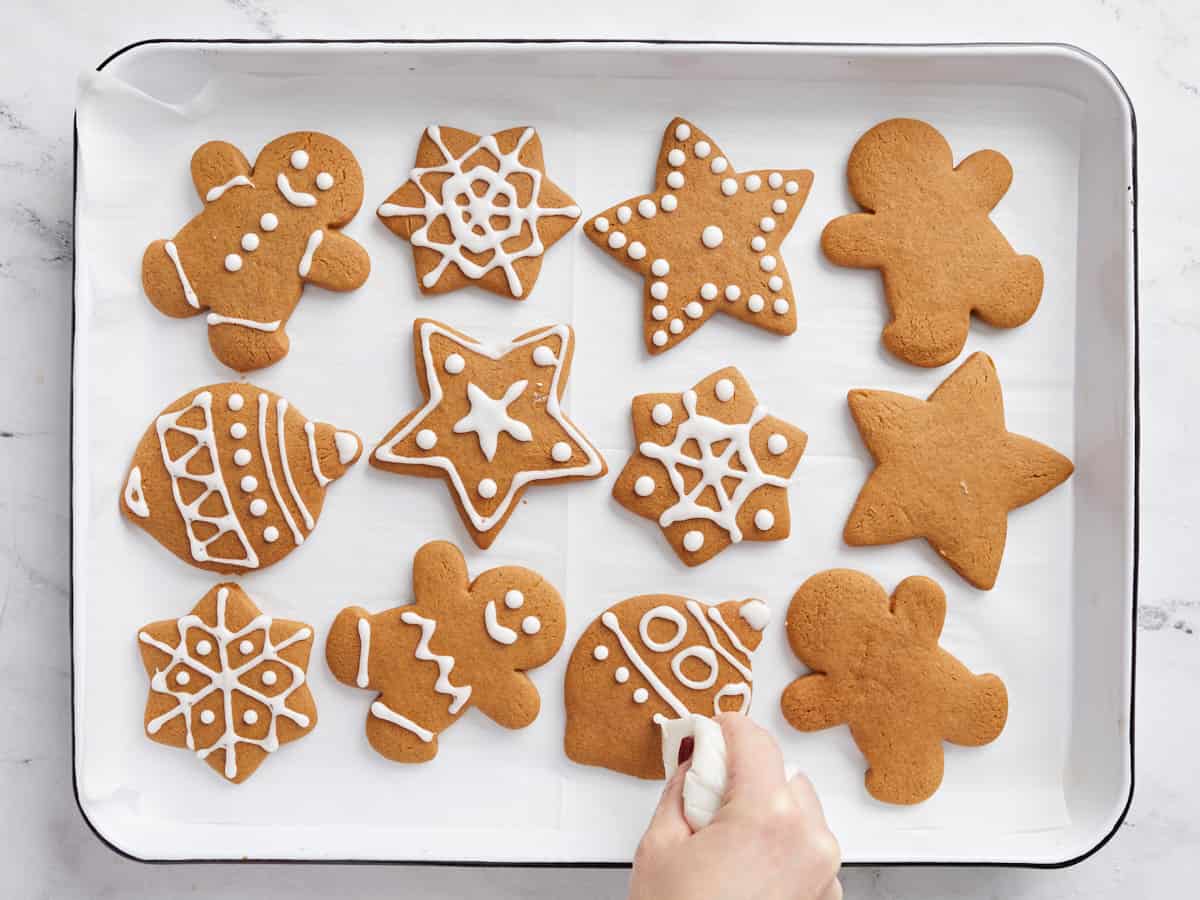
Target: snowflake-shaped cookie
[
  {"x": 712, "y": 467},
  {"x": 227, "y": 682}
]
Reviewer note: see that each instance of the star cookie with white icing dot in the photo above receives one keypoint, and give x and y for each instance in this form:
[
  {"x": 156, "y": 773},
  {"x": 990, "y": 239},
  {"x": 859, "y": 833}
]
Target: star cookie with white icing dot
[
  {"x": 707, "y": 239},
  {"x": 712, "y": 467},
  {"x": 492, "y": 423}
]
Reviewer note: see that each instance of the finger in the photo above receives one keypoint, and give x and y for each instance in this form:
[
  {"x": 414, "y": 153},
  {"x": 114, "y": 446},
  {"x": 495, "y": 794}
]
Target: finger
[
  {"x": 832, "y": 892},
  {"x": 667, "y": 825},
  {"x": 805, "y": 796},
  {"x": 755, "y": 765}
]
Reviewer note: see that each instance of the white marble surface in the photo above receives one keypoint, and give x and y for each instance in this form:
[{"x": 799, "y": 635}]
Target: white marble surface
[{"x": 45, "y": 848}]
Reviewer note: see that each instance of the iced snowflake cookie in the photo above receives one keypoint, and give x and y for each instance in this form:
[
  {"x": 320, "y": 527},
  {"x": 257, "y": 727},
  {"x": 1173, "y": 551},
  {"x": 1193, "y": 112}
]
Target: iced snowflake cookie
[
  {"x": 265, "y": 232},
  {"x": 492, "y": 423},
  {"x": 707, "y": 239},
  {"x": 651, "y": 659},
  {"x": 926, "y": 227},
  {"x": 232, "y": 478},
  {"x": 948, "y": 470},
  {"x": 877, "y": 667},
  {"x": 462, "y": 643},
  {"x": 227, "y": 682},
  {"x": 479, "y": 210},
  {"x": 712, "y": 467}
]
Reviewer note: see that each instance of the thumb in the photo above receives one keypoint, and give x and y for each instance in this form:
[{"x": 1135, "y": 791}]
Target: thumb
[
  {"x": 667, "y": 825},
  {"x": 755, "y": 766}
]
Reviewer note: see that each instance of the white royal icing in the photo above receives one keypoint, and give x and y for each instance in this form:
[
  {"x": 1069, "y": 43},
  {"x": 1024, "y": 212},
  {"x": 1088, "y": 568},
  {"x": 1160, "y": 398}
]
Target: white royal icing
[
  {"x": 610, "y": 621},
  {"x": 280, "y": 410},
  {"x": 363, "y": 678},
  {"x": 218, "y": 191},
  {"x": 487, "y": 488},
  {"x": 514, "y": 599},
  {"x": 693, "y": 541},
  {"x": 291, "y": 195},
  {"x": 218, "y": 319},
  {"x": 764, "y": 520},
  {"x": 531, "y": 624},
  {"x": 310, "y": 433},
  {"x": 756, "y": 614},
  {"x": 134, "y": 498},
  {"x": 324, "y": 181},
  {"x": 458, "y": 695},
  {"x": 644, "y": 486},
  {"x": 706, "y": 656},
  {"x": 381, "y": 710},
  {"x": 712, "y": 236},
  {"x": 667, "y": 614},
  {"x": 314, "y": 241},
  {"x": 347, "y": 445},
  {"x": 173, "y": 254},
  {"x": 268, "y": 221},
  {"x": 489, "y": 417},
  {"x": 501, "y": 634},
  {"x": 299, "y": 159},
  {"x": 600, "y": 652},
  {"x": 264, "y": 403}
]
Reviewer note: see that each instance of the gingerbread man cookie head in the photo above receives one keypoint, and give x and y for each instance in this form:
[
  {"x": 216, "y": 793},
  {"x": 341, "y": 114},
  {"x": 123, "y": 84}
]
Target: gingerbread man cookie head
[
  {"x": 521, "y": 615},
  {"x": 893, "y": 162},
  {"x": 307, "y": 164}
]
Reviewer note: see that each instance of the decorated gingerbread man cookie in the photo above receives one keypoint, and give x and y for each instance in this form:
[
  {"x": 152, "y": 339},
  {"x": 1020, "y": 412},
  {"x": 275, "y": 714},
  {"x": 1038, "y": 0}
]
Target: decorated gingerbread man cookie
[
  {"x": 877, "y": 667},
  {"x": 492, "y": 423},
  {"x": 227, "y": 682},
  {"x": 707, "y": 239},
  {"x": 479, "y": 210},
  {"x": 265, "y": 232},
  {"x": 462, "y": 643},
  {"x": 926, "y": 229}
]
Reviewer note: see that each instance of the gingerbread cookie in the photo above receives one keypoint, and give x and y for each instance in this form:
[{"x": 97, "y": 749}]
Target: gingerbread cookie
[
  {"x": 461, "y": 643},
  {"x": 479, "y": 210},
  {"x": 707, "y": 239},
  {"x": 265, "y": 232},
  {"x": 492, "y": 423},
  {"x": 877, "y": 667},
  {"x": 232, "y": 478},
  {"x": 948, "y": 470},
  {"x": 651, "y": 659},
  {"x": 926, "y": 228},
  {"x": 227, "y": 682},
  {"x": 712, "y": 468}
]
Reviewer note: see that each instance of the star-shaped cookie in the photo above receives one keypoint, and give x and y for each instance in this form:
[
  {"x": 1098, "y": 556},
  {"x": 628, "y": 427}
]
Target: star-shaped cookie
[
  {"x": 492, "y": 423},
  {"x": 479, "y": 210},
  {"x": 948, "y": 470},
  {"x": 712, "y": 467},
  {"x": 706, "y": 240}
]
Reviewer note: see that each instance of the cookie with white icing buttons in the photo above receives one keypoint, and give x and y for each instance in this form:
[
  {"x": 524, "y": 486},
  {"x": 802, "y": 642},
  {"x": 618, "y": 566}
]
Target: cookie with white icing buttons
[
  {"x": 461, "y": 643},
  {"x": 651, "y": 659},
  {"x": 479, "y": 209},
  {"x": 231, "y": 477},
  {"x": 227, "y": 682},
  {"x": 706, "y": 240},
  {"x": 712, "y": 467},
  {"x": 492, "y": 423},
  {"x": 266, "y": 230}
]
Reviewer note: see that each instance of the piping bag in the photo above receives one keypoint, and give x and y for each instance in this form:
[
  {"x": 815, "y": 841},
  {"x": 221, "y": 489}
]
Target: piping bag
[{"x": 704, "y": 784}]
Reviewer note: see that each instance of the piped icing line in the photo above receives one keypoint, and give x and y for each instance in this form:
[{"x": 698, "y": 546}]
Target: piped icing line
[
  {"x": 218, "y": 191},
  {"x": 381, "y": 710},
  {"x": 610, "y": 621},
  {"x": 291, "y": 195},
  {"x": 715, "y": 615},
  {"x": 280, "y": 410},
  {"x": 694, "y": 608},
  {"x": 489, "y": 417},
  {"x": 263, "y": 402},
  {"x": 737, "y": 689},
  {"x": 363, "y": 678},
  {"x": 218, "y": 319},
  {"x": 173, "y": 254},
  {"x": 314, "y": 241},
  {"x": 445, "y": 664},
  {"x": 134, "y": 498},
  {"x": 310, "y": 432},
  {"x": 756, "y": 614},
  {"x": 501, "y": 634}
]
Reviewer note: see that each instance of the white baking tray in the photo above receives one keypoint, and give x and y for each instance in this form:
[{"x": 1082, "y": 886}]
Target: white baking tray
[{"x": 1057, "y": 627}]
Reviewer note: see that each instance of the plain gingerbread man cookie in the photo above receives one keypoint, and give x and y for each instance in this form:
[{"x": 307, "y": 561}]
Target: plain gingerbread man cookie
[
  {"x": 877, "y": 667},
  {"x": 265, "y": 232},
  {"x": 926, "y": 228},
  {"x": 462, "y": 643}
]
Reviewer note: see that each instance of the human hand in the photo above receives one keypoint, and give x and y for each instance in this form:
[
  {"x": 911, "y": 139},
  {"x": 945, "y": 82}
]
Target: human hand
[{"x": 769, "y": 841}]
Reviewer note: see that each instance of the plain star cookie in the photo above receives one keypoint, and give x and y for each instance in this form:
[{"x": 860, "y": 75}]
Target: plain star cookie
[
  {"x": 712, "y": 467},
  {"x": 948, "y": 470},
  {"x": 877, "y": 667},
  {"x": 707, "y": 239},
  {"x": 479, "y": 210},
  {"x": 462, "y": 643},
  {"x": 232, "y": 478},
  {"x": 265, "y": 232},
  {"x": 227, "y": 682},
  {"x": 926, "y": 228},
  {"x": 492, "y": 423},
  {"x": 651, "y": 659}
]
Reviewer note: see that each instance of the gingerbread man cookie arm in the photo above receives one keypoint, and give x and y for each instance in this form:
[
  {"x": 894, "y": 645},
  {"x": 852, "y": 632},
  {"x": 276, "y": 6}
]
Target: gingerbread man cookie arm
[
  {"x": 510, "y": 699},
  {"x": 813, "y": 703},
  {"x": 920, "y": 603},
  {"x": 855, "y": 240},
  {"x": 978, "y": 706},
  {"x": 218, "y": 167},
  {"x": 333, "y": 261},
  {"x": 440, "y": 578},
  {"x": 165, "y": 281},
  {"x": 985, "y": 177}
]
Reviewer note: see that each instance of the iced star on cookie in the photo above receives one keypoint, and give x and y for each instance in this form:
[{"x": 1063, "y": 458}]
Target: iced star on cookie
[
  {"x": 492, "y": 423},
  {"x": 706, "y": 240}
]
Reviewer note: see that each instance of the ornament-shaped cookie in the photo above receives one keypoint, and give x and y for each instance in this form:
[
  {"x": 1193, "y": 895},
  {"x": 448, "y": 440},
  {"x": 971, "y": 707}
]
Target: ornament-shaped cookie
[
  {"x": 706, "y": 240},
  {"x": 492, "y": 423},
  {"x": 712, "y": 467},
  {"x": 227, "y": 682},
  {"x": 264, "y": 233},
  {"x": 877, "y": 667},
  {"x": 479, "y": 210},
  {"x": 461, "y": 643},
  {"x": 232, "y": 478},
  {"x": 651, "y": 659},
  {"x": 926, "y": 229}
]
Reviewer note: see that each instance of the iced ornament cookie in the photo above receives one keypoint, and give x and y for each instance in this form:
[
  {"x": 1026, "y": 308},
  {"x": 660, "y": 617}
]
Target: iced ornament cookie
[
  {"x": 707, "y": 239},
  {"x": 492, "y": 423},
  {"x": 926, "y": 229},
  {"x": 877, "y": 667},
  {"x": 479, "y": 210},
  {"x": 948, "y": 470},
  {"x": 651, "y": 659},
  {"x": 265, "y": 232},
  {"x": 232, "y": 478},
  {"x": 227, "y": 682},
  {"x": 712, "y": 467},
  {"x": 462, "y": 643}
]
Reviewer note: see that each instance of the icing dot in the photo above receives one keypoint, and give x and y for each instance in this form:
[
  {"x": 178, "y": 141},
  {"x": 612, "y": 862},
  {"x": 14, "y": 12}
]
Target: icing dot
[
  {"x": 246, "y": 647},
  {"x": 269, "y": 677},
  {"x": 733, "y": 292},
  {"x": 755, "y": 303},
  {"x": 182, "y": 677},
  {"x": 729, "y": 187},
  {"x": 487, "y": 489},
  {"x": 637, "y": 250},
  {"x": 531, "y": 625},
  {"x": 693, "y": 541},
  {"x": 235, "y": 402},
  {"x": 299, "y": 159},
  {"x": 659, "y": 312},
  {"x": 203, "y": 647},
  {"x": 250, "y": 717},
  {"x": 600, "y": 652},
  {"x": 543, "y": 356},
  {"x": 258, "y": 508},
  {"x": 324, "y": 181},
  {"x": 775, "y": 283},
  {"x": 660, "y": 267},
  {"x": 675, "y": 180},
  {"x": 676, "y": 326},
  {"x": 250, "y": 242},
  {"x": 560, "y": 452},
  {"x": 601, "y": 224},
  {"x": 676, "y": 157},
  {"x": 758, "y": 243},
  {"x": 753, "y": 182},
  {"x": 621, "y": 675},
  {"x": 780, "y": 306},
  {"x": 514, "y": 599},
  {"x": 616, "y": 240},
  {"x": 268, "y": 222},
  {"x": 233, "y": 262},
  {"x": 708, "y": 290},
  {"x": 454, "y": 364},
  {"x": 719, "y": 165},
  {"x": 702, "y": 149},
  {"x": 764, "y": 520},
  {"x": 646, "y": 208},
  {"x": 774, "y": 179},
  {"x": 241, "y": 456},
  {"x": 683, "y": 131},
  {"x": 694, "y": 310},
  {"x": 249, "y": 484},
  {"x": 661, "y": 414},
  {"x": 644, "y": 486},
  {"x": 767, "y": 223},
  {"x": 659, "y": 290},
  {"x": 426, "y": 439},
  {"x": 624, "y": 214},
  {"x": 777, "y": 444},
  {"x": 660, "y": 338},
  {"x": 712, "y": 236},
  {"x": 791, "y": 187},
  {"x": 767, "y": 263},
  {"x": 270, "y": 534},
  {"x": 237, "y": 430},
  {"x": 779, "y": 206},
  {"x": 668, "y": 203},
  {"x": 641, "y": 695},
  {"x": 207, "y": 716},
  {"x": 724, "y": 390}
]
